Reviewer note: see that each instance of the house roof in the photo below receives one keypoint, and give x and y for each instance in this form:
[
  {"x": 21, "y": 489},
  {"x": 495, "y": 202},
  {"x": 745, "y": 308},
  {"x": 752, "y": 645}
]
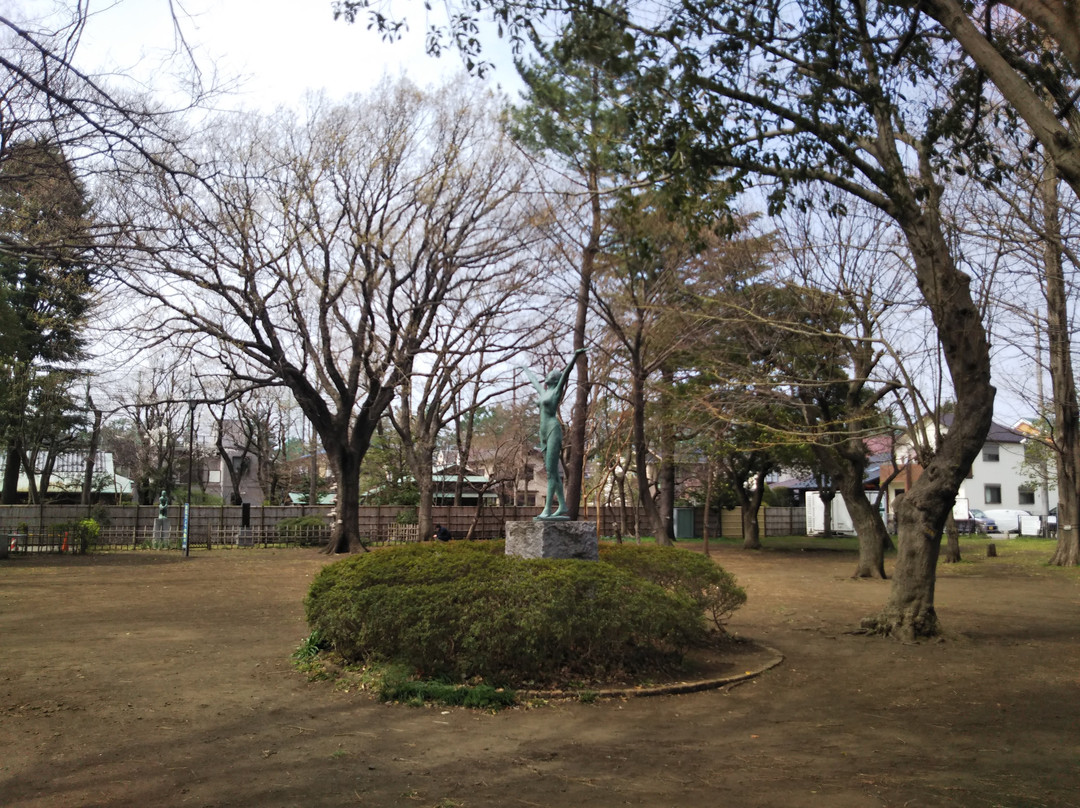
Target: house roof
[
  {"x": 998, "y": 432},
  {"x": 871, "y": 477},
  {"x": 68, "y": 470},
  {"x": 301, "y": 499}
]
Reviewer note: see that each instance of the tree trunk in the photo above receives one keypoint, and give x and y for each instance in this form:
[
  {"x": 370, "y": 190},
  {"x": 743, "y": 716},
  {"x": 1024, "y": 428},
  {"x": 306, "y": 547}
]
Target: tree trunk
[
  {"x": 666, "y": 472},
  {"x": 751, "y": 532},
  {"x": 345, "y": 532},
  {"x": 868, "y": 527},
  {"x": 749, "y": 505},
  {"x": 426, "y": 488},
  {"x": 91, "y": 457},
  {"x": 827, "y": 496},
  {"x": 46, "y": 474},
  {"x": 620, "y": 481},
  {"x": 952, "y": 544},
  {"x": 706, "y": 509},
  {"x": 641, "y": 458},
  {"x": 575, "y": 466},
  {"x": 10, "y": 495},
  {"x": 1063, "y": 385},
  {"x": 909, "y": 612},
  {"x": 29, "y": 461}
]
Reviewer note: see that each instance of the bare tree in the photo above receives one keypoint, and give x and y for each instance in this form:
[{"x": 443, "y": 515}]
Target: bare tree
[
  {"x": 474, "y": 336},
  {"x": 319, "y": 252}
]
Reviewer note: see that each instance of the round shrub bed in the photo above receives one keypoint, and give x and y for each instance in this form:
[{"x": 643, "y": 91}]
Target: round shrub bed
[{"x": 465, "y": 611}]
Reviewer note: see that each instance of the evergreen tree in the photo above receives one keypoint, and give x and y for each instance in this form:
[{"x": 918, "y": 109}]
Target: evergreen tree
[{"x": 45, "y": 296}]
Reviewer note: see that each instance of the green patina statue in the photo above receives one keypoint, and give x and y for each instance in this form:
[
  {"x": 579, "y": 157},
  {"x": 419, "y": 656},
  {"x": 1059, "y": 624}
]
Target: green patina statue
[{"x": 551, "y": 395}]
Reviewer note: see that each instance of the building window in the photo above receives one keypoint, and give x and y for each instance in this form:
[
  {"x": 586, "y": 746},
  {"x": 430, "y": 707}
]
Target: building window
[
  {"x": 1026, "y": 496},
  {"x": 993, "y": 495},
  {"x": 990, "y": 454}
]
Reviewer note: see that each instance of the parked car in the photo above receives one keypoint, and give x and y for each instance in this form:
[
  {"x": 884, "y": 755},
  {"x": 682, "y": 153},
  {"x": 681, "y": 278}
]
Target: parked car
[
  {"x": 983, "y": 523},
  {"x": 1008, "y": 520}
]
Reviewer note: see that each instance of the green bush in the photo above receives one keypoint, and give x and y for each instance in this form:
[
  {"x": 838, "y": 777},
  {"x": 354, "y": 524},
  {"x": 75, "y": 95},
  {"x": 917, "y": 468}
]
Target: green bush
[
  {"x": 81, "y": 533},
  {"x": 296, "y": 527},
  {"x": 710, "y": 586},
  {"x": 407, "y": 516},
  {"x": 465, "y": 610}
]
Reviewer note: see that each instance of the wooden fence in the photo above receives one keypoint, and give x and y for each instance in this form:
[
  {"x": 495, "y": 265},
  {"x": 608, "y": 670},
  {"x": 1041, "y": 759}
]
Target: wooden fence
[{"x": 44, "y": 528}]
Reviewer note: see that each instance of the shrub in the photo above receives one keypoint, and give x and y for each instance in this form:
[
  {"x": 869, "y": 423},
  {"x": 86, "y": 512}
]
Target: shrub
[
  {"x": 463, "y": 610},
  {"x": 81, "y": 533},
  {"x": 696, "y": 576},
  {"x": 296, "y": 528},
  {"x": 408, "y": 516}
]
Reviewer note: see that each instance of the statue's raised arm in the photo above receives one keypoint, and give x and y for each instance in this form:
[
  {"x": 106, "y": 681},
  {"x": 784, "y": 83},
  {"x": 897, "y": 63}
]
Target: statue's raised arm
[{"x": 550, "y": 396}]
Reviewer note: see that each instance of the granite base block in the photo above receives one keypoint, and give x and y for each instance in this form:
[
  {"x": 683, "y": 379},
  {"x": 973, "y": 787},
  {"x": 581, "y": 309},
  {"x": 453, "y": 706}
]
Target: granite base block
[{"x": 540, "y": 539}]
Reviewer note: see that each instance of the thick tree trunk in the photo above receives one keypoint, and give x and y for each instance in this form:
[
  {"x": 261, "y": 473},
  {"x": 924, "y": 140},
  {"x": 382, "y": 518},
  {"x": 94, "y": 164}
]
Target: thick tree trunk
[
  {"x": 868, "y": 527},
  {"x": 345, "y": 532},
  {"x": 751, "y": 532},
  {"x": 827, "y": 496},
  {"x": 909, "y": 612},
  {"x": 10, "y": 494},
  {"x": 952, "y": 543},
  {"x": 1062, "y": 381},
  {"x": 846, "y": 462},
  {"x": 750, "y": 504},
  {"x": 46, "y": 474}
]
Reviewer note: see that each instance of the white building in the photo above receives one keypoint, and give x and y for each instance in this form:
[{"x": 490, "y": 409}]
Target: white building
[{"x": 997, "y": 478}]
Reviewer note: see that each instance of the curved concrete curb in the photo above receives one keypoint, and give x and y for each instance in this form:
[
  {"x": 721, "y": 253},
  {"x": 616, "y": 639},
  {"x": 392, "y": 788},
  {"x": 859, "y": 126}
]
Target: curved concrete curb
[{"x": 660, "y": 690}]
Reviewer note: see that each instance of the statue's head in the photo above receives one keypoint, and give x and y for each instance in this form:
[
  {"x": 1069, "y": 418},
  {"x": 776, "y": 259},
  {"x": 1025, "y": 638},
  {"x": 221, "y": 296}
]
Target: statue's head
[{"x": 552, "y": 378}]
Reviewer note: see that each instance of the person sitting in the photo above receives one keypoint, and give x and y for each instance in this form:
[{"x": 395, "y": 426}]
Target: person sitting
[{"x": 441, "y": 533}]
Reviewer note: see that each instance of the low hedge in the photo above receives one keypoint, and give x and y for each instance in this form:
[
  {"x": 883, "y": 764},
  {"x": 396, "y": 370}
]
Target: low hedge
[
  {"x": 710, "y": 586},
  {"x": 465, "y": 611}
]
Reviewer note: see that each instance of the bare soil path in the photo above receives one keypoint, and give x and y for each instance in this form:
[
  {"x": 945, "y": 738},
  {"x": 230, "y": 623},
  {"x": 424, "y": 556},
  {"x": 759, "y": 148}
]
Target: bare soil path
[{"x": 144, "y": 679}]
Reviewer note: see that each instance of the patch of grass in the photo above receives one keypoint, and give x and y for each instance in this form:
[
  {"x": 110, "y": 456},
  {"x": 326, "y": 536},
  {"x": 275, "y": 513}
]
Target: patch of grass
[
  {"x": 418, "y": 692},
  {"x": 307, "y": 658},
  {"x": 1025, "y": 556}
]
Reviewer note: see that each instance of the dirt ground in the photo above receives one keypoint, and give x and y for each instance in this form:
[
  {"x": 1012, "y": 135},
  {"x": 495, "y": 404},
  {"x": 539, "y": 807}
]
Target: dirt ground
[{"x": 145, "y": 679}]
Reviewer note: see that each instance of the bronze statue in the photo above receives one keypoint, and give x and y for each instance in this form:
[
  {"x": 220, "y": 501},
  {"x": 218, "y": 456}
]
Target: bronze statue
[{"x": 551, "y": 395}]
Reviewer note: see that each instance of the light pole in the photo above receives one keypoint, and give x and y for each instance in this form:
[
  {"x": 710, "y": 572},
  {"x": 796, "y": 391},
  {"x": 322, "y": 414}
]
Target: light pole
[{"x": 191, "y": 467}]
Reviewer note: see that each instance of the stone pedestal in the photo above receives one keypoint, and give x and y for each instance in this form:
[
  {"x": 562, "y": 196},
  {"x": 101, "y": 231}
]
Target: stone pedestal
[
  {"x": 161, "y": 539},
  {"x": 554, "y": 539}
]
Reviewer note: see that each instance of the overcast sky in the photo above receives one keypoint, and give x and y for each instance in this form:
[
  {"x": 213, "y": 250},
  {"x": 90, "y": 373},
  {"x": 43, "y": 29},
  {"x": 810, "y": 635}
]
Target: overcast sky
[{"x": 272, "y": 50}]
